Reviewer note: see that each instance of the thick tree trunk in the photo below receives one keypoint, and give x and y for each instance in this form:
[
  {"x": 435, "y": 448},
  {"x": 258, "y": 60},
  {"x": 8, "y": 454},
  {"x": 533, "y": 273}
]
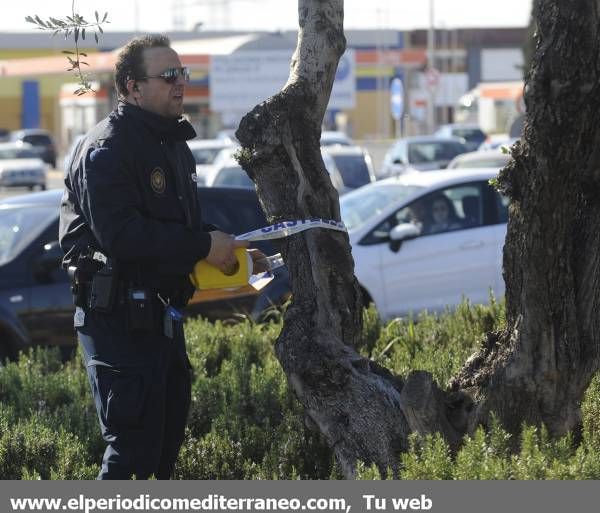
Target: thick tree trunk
[{"x": 537, "y": 370}]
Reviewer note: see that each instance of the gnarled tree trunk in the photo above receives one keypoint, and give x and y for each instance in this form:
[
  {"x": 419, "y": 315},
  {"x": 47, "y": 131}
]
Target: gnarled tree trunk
[{"x": 538, "y": 368}]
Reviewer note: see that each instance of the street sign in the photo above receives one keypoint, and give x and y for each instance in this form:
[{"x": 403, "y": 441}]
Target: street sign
[
  {"x": 432, "y": 78},
  {"x": 240, "y": 80},
  {"x": 397, "y": 98}
]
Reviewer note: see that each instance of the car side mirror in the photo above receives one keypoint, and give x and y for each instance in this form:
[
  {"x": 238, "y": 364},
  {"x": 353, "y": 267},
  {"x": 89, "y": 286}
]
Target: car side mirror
[
  {"x": 402, "y": 232},
  {"x": 48, "y": 261}
]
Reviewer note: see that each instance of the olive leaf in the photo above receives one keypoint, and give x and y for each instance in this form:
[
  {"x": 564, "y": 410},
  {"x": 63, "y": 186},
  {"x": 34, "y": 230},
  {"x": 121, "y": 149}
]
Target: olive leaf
[{"x": 76, "y": 26}]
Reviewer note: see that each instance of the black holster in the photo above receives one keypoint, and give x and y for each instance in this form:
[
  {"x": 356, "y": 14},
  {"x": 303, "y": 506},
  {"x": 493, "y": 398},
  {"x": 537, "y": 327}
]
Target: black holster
[{"x": 103, "y": 288}]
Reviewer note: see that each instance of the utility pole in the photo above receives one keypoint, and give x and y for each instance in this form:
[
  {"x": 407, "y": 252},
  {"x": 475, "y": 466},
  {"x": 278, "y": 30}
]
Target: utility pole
[{"x": 431, "y": 65}]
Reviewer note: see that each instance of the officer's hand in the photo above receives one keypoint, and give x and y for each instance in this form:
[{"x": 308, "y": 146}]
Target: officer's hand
[{"x": 221, "y": 253}]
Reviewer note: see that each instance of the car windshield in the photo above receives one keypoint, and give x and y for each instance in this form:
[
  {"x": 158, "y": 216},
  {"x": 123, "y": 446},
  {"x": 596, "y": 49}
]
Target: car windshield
[
  {"x": 358, "y": 206},
  {"x": 17, "y": 153},
  {"x": 205, "y": 155},
  {"x": 353, "y": 169},
  {"x": 37, "y": 140},
  {"x": 469, "y": 134},
  {"x": 233, "y": 176},
  {"x": 21, "y": 225},
  {"x": 424, "y": 152}
]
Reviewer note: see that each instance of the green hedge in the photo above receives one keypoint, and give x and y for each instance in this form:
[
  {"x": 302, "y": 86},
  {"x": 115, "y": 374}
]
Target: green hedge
[{"x": 245, "y": 423}]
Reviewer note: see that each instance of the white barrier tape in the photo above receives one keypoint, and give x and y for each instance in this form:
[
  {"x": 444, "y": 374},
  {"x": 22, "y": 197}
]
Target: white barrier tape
[{"x": 287, "y": 228}]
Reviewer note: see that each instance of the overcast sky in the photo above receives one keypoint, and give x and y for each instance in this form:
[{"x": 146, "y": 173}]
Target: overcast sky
[{"x": 159, "y": 16}]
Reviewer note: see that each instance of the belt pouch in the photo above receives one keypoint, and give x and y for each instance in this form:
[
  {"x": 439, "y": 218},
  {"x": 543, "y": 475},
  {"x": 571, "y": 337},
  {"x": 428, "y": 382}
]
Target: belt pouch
[
  {"x": 103, "y": 290},
  {"x": 140, "y": 308}
]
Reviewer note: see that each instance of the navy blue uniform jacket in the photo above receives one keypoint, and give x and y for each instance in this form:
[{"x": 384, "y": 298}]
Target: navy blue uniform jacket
[{"x": 129, "y": 192}]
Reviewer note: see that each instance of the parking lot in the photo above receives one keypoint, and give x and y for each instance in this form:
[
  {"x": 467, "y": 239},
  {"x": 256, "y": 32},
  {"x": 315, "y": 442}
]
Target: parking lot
[{"x": 377, "y": 150}]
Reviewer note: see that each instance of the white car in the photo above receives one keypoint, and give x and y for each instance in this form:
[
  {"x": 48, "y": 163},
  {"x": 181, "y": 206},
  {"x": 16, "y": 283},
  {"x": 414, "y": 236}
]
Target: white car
[
  {"x": 21, "y": 166},
  {"x": 424, "y": 241},
  {"x": 205, "y": 152},
  {"x": 228, "y": 173},
  {"x": 478, "y": 159}
]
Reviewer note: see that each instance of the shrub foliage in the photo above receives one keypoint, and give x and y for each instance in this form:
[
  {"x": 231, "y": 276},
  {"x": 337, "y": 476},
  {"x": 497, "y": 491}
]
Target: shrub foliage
[{"x": 245, "y": 423}]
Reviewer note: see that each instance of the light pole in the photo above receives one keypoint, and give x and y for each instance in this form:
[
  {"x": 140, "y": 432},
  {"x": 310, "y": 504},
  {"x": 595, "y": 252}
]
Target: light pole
[{"x": 431, "y": 65}]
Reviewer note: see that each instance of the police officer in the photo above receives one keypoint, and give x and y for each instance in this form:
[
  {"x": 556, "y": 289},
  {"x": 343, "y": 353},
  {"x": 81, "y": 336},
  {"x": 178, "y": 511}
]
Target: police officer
[{"x": 131, "y": 230}]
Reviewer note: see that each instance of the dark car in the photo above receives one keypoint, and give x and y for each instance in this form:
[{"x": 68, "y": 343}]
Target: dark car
[
  {"x": 41, "y": 140},
  {"x": 472, "y": 134},
  {"x": 354, "y": 165},
  {"x": 35, "y": 300}
]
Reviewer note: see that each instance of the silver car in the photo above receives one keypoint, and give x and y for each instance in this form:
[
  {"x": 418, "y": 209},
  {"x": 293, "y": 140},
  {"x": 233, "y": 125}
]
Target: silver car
[{"x": 21, "y": 166}]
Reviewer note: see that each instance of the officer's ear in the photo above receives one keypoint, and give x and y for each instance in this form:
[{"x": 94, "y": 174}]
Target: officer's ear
[{"x": 132, "y": 87}]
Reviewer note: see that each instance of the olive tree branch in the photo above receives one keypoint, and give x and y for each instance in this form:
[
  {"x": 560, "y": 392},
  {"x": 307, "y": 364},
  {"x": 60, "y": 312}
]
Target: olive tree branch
[{"x": 75, "y": 25}]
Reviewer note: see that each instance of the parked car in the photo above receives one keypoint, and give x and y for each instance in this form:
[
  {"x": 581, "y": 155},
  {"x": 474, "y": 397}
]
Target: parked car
[
  {"x": 35, "y": 301},
  {"x": 423, "y": 153},
  {"x": 354, "y": 165},
  {"x": 230, "y": 174},
  {"x": 21, "y": 166},
  {"x": 40, "y": 139},
  {"x": 407, "y": 259},
  {"x": 335, "y": 138},
  {"x": 228, "y": 135},
  {"x": 494, "y": 142},
  {"x": 472, "y": 134},
  {"x": 205, "y": 152},
  {"x": 477, "y": 159}
]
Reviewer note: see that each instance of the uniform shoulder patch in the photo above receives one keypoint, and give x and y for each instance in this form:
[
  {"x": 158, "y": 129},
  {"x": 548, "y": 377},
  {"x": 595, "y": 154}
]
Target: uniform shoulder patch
[{"x": 158, "y": 181}]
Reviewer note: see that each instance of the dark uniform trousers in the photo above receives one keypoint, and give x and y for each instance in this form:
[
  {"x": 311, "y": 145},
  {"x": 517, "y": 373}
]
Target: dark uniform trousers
[{"x": 142, "y": 406}]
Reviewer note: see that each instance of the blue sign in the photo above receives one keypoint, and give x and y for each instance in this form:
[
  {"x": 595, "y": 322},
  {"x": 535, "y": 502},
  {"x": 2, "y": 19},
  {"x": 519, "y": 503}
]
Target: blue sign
[
  {"x": 396, "y": 98},
  {"x": 30, "y": 104}
]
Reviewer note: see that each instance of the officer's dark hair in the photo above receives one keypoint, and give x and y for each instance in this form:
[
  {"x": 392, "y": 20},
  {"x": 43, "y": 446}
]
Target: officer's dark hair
[{"x": 130, "y": 62}]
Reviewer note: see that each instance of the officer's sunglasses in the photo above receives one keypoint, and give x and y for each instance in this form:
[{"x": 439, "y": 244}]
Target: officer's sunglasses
[{"x": 170, "y": 75}]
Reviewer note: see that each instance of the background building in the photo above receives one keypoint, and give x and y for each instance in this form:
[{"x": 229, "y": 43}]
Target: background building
[{"x": 36, "y": 89}]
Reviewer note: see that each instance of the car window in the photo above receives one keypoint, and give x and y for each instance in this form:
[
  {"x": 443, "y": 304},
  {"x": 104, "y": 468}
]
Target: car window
[
  {"x": 450, "y": 209},
  {"x": 420, "y": 153},
  {"x": 469, "y": 134},
  {"x": 205, "y": 155},
  {"x": 19, "y": 226},
  {"x": 353, "y": 169},
  {"x": 233, "y": 176},
  {"x": 358, "y": 206},
  {"x": 37, "y": 140}
]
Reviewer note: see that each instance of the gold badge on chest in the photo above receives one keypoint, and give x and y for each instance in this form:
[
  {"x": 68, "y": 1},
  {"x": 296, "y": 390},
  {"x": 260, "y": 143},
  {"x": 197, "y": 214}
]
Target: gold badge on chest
[{"x": 158, "y": 181}]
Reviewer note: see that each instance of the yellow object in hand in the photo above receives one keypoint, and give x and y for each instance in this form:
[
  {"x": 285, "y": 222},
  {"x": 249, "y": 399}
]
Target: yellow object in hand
[{"x": 207, "y": 276}]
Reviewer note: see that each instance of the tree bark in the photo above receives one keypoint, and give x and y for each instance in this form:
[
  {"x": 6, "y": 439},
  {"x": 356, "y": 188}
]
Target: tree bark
[{"x": 537, "y": 370}]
